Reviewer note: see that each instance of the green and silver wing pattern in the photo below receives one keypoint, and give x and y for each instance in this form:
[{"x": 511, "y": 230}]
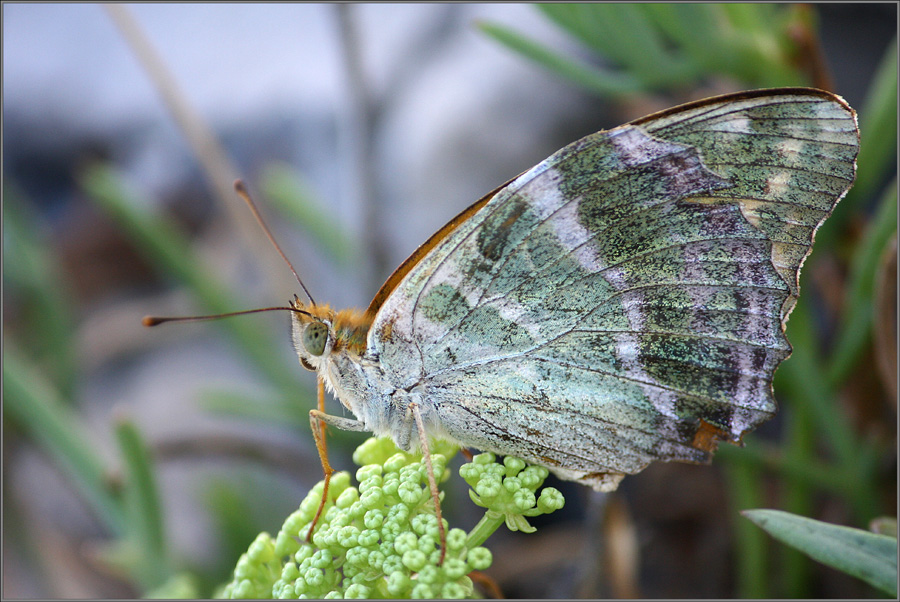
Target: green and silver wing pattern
[{"x": 625, "y": 300}]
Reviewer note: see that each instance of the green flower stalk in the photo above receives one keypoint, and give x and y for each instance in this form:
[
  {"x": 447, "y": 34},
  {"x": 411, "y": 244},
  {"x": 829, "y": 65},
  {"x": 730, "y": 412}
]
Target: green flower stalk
[{"x": 381, "y": 538}]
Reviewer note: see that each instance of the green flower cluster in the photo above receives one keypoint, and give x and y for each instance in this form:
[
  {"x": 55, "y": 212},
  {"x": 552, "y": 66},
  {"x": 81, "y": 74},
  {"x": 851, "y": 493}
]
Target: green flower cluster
[
  {"x": 381, "y": 539},
  {"x": 507, "y": 491}
]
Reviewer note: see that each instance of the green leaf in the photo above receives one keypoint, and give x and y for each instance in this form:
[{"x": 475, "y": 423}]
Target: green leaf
[
  {"x": 856, "y": 329},
  {"x": 586, "y": 25},
  {"x": 681, "y": 24},
  {"x": 877, "y": 131},
  {"x": 868, "y": 556},
  {"x": 294, "y": 198},
  {"x": 627, "y": 35},
  {"x": 33, "y": 403},
  {"x": 671, "y": 46},
  {"x": 598, "y": 81},
  {"x": 751, "y": 18},
  {"x": 750, "y": 545},
  {"x": 180, "y": 586},
  {"x": 262, "y": 408},
  {"x": 32, "y": 274},
  {"x": 145, "y": 519}
]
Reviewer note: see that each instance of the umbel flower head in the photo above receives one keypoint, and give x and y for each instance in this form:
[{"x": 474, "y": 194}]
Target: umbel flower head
[{"x": 381, "y": 538}]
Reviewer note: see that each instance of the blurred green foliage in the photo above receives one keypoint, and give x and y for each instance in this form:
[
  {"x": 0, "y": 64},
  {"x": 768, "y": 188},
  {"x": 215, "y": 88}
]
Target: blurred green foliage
[
  {"x": 646, "y": 48},
  {"x": 30, "y": 272},
  {"x": 125, "y": 500}
]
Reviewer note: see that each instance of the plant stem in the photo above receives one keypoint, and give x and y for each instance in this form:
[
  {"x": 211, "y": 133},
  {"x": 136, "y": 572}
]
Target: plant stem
[{"x": 489, "y": 523}]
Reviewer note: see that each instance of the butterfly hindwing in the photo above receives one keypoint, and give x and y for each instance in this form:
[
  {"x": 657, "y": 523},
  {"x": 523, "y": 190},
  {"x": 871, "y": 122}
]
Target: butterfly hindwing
[{"x": 624, "y": 300}]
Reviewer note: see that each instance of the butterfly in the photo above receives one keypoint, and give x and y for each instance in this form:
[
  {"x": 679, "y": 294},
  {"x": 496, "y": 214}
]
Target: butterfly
[{"x": 622, "y": 302}]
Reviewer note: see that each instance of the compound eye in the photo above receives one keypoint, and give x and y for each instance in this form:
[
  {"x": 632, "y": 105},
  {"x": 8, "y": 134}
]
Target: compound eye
[{"x": 314, "y": 338}]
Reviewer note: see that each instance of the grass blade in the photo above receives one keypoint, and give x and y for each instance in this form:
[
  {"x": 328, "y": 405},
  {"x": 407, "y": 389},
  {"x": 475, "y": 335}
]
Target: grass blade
[
  {"x": 601, "y": 82},
  {"x": 142, "y": 504},
  {"x": 856, "y": 329},
  {"x": 877, "y": 131},
  {"x": 32, "y": 402},
  {"x": 34, "y": 277},
  {"x": 288, "y": 193}
]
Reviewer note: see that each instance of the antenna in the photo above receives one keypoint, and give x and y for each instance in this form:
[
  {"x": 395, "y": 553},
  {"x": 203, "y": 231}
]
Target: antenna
[
  {"x": 242, "y": 192},
  {"x": 149, "y": 321},
  {"x": 241, "y": 189}
]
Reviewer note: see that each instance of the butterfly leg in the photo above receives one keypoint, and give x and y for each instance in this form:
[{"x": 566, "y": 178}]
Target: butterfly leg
[
  {"x": 426, "y": 454},
  {"x": 320, "y": 405},
  {"x": 318, "y": 420}
]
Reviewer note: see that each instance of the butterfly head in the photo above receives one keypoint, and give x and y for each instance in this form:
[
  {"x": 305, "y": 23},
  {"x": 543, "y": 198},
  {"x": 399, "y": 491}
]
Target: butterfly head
[{"x": 319, "y": 332}]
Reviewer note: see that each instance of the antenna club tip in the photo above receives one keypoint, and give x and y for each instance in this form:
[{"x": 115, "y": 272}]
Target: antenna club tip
[
  {"x": 240, "y": 186},
  {"x": 149, "y": 321}
]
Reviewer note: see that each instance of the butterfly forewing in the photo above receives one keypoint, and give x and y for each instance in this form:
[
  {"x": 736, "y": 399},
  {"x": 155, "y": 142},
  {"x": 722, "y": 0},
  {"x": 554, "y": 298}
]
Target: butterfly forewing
[
  {"x": 797, "y": 158},
  {"x": 624, "y": 300}
]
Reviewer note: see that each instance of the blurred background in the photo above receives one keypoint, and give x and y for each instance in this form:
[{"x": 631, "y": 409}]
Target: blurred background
[{"x": 140, "y": 462}]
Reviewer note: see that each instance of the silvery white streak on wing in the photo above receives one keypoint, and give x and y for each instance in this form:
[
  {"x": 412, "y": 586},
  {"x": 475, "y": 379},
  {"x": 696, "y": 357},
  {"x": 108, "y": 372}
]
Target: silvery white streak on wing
[
  {"x": 736, "y": 125},
  {"x": 545, "y": 196},
  {"x": 635, "y": 147}
]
